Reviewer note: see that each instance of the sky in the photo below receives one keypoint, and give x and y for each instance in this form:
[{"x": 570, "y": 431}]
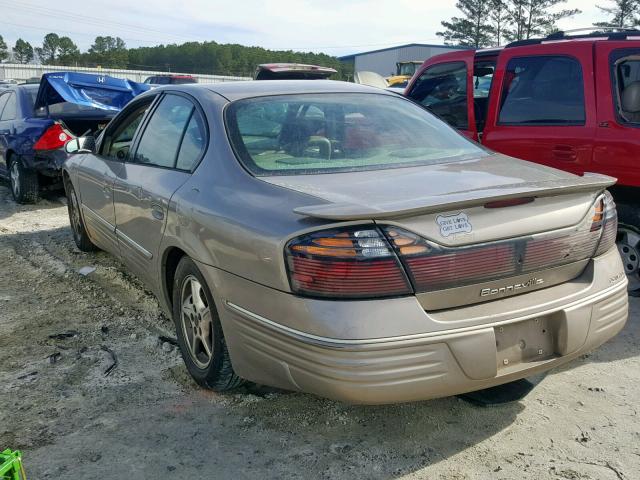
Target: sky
[{"x": 336, "y": 27}]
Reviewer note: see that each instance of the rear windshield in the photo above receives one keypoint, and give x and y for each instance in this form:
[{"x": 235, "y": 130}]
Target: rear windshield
[{"x": 325, "y": 133}]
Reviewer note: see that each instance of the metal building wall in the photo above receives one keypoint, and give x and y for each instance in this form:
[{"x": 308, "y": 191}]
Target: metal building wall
[
  {"x": 384, "y": 62},
  {"x": 22, "y": 72}
]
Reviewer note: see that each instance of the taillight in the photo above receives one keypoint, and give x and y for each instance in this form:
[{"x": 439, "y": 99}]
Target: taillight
[
  {"x": 431, "y": 266},
  {"x": 609, "y": 223},
  {"x": 53, "y": 138},
  {"x": 353, "y": 262},
  {"x": 434, "y": 267}
]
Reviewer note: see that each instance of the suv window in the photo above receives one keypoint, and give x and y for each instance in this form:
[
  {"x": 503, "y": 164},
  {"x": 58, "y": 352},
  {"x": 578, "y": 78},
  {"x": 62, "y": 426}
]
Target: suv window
[
  {"x": 9, "y": 112},
  {"x": 118, "y": 138},
  {"x": 163, "y": 134},
  {"x": 542, "y": 90},
  {"x": 626, "y": 73},
  {"x": 443, "y": 90}
]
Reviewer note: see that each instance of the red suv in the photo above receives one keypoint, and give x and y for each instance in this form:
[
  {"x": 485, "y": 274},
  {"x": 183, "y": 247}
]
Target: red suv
[{"x": 570, "y": 102}]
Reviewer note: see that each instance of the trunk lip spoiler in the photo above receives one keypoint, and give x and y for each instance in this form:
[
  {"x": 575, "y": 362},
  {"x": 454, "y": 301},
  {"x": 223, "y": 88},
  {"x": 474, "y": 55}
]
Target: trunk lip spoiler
[{"x": 443, "y": 203}]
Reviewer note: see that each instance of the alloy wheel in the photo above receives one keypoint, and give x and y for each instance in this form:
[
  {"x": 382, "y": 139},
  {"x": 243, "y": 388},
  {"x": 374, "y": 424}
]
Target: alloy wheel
[
  {"x": 197, "y": 324},
  {"x": 75, "y": 214},
  {"x": 628, "y": 243},
  {"x": 15, "y": 179}
]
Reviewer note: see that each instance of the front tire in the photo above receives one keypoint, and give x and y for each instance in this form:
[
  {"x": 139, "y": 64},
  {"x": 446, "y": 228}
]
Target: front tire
[
  {"x": 24, "y": 182},
  {"x": 80, "y": 235},
  {"x": 199, "y": 330}
]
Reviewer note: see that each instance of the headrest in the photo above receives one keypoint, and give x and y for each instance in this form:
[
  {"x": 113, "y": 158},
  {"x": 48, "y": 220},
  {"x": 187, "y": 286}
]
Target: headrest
[{"x": 631, "y": 98}]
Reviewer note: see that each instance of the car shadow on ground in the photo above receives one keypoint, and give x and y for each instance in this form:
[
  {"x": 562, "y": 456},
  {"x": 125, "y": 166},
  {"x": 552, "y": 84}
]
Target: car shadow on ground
[{"x": 48, "y": 200}]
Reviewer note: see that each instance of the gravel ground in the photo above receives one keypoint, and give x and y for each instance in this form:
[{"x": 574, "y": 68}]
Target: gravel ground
[{"x": 73, "y": 418}]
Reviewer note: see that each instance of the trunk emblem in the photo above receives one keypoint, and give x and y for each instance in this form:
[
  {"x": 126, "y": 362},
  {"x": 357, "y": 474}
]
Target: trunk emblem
[
  {"x": 454, "y": 224},
  {"x": 508, "y": 289}
]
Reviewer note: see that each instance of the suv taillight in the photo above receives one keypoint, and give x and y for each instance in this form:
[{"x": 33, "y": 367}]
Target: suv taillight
[
  {"x": 353, "y": 262},
  {"x": 53, "y": 138}
]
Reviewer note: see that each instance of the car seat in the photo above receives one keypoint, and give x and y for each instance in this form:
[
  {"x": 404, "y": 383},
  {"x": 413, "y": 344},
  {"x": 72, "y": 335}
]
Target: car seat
[{"x": 631, "y": 102}]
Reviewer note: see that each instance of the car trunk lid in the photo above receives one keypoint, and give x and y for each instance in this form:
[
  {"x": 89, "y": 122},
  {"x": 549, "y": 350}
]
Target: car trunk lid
[{"x": 416, "y": 196}]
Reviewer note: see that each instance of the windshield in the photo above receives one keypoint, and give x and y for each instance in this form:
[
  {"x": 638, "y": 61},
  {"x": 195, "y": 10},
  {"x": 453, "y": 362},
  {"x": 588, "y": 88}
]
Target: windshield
[
  {"x": 324, "y": 133},
  {"x": 407, "y": 69}
]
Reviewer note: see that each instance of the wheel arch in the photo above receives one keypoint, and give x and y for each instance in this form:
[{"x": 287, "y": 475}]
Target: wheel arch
[{"x": 170, "y": 260}]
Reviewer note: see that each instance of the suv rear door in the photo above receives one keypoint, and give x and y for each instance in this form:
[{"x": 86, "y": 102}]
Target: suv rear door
[
  {"x": 543, "y": 105},
  {"x": 618, "y": 133},
  {"x": 445, "y": 87}
]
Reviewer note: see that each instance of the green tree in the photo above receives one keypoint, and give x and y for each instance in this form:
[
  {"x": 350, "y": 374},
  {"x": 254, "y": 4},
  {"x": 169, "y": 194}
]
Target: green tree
[
  {"x": 109, "y": 52},
  {"x": 531, "y": 18},
  {"x": 22, "y": 51},
  {"x": 624, "y": 13},
  {"x": 499, "y": 19},
  {"x": 4, "y": 51},
  {"x": 224, "y": 59},
  {"x": 49, "y": 50},
  {"x": 471, "y": 30},
  {"x": 68, "y": 52}
]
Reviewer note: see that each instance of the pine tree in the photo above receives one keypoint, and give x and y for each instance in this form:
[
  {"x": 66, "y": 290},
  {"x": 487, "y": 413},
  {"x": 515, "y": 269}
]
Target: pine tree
[
  {"x": 109, "y": 52},
  {"x": 49, "y": 50},
  {"x": 23, "y": 51},
  {"x": 472, "y": 30},
  {"x": 531, "y": 18},
  {"x": 499, "y": 18},
  {"x": 68, "y": 52},
  {"x": 4, "y": 51},
  {"x": 624, "y": 14}
]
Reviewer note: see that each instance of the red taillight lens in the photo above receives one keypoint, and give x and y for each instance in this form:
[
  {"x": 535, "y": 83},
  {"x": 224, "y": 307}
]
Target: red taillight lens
[
  {"x": 55, "y": 137},
  {"x": 356, "y": 262},
  {"x": 609, "y": 224},
  {"x": 433, "y": 267}
]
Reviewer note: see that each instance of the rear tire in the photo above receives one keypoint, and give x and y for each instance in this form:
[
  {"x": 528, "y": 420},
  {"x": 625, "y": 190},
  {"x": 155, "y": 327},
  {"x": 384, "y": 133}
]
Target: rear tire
[
  {"x": 78, "y": 230},
  {"x": 24, "y": 182},
  {"x": 199, "y": 330}
]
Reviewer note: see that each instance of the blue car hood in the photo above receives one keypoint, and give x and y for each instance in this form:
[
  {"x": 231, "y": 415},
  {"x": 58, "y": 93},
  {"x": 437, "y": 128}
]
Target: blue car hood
[{"x": 97, "y": 91}]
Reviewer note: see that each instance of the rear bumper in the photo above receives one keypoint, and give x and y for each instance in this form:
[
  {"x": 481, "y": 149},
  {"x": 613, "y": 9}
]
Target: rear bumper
[
  {"x": 48, "y": 163},
  {"x": 435, "y": 362}
]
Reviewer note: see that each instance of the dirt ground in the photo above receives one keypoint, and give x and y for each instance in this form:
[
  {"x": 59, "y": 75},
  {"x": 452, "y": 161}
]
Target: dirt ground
[{"x": 146, "y": 419}]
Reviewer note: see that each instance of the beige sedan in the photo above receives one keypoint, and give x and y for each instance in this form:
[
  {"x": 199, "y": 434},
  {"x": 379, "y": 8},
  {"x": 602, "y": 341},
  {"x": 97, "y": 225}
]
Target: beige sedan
[{"x": 332, "y": 238}]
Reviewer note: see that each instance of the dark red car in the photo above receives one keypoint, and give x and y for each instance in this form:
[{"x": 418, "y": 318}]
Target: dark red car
[{"x": 570, "y": 102}]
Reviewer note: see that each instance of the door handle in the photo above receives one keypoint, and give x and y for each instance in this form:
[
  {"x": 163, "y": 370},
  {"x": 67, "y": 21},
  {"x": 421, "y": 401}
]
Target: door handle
[
  {"x": 106, "y": 190},
  {"x": 157, "y": 211},
  {"x": 565, "y": 153}
]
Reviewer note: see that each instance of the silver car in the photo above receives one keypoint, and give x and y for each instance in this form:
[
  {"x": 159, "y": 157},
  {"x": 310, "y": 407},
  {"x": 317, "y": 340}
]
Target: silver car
[{"x": 337, "y": 239}]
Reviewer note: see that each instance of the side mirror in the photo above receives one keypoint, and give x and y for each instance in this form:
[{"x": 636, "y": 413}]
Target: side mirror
[{"x": 81, "y": 145}]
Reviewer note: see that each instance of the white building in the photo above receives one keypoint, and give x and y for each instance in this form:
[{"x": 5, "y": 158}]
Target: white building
[{"x": 384, "y": 61}]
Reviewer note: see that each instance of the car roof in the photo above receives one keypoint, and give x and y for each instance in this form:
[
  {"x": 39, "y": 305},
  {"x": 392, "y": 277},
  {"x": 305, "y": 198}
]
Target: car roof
[{"x": 247, "y": 89}]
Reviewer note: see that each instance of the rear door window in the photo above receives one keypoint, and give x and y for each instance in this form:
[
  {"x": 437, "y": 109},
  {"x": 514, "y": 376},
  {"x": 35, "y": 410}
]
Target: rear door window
[
  {"x": 443, "y": 90},
  {"x": 543, "y": 90},
  {"x": 3, "y": 101},
  {"x": 163, "y": 134},
  {"x": 625, "y": 67},
  {"x": 193, "y": 143},
  {"x": 10, "y": 109}
]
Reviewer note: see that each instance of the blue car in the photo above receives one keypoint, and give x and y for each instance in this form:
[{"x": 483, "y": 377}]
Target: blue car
[{"x": 37, "y": 120}]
